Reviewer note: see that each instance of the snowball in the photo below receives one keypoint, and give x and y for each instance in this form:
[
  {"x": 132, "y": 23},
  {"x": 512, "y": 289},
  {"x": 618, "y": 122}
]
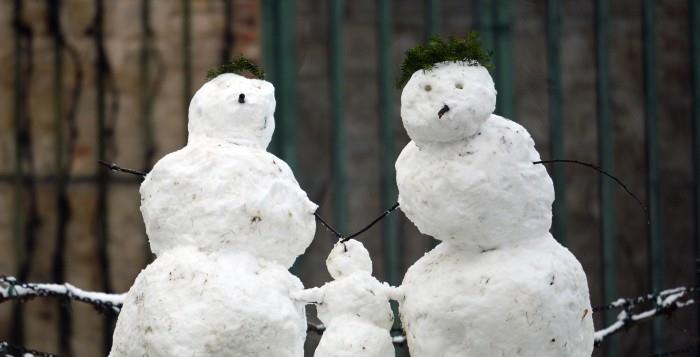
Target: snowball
[
  {"x": 466, "y": 89},
  {"x": 483, "y": 191},
  {"x": 222, "y": 197},
  {"x": 350, "y": 336},
  {"x": 348, "y": 257},
  {"x": 523, "y": 299},
  {"x": 191, "y": 303},
  {"x": 216, "y": 111}
]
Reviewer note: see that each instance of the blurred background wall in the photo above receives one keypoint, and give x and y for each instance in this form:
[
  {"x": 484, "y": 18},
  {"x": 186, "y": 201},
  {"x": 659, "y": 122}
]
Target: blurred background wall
[{"x": 83, "y": 80}]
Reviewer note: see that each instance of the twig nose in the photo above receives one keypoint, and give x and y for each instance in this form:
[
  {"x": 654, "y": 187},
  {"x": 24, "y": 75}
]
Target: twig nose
[{"x": 442, "y": 111}]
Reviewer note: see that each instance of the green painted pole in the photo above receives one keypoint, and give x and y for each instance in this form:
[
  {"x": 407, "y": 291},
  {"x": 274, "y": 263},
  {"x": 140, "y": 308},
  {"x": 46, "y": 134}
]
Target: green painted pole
[
  {"x": 337, "y": 83},
  {"x": 432, "y": 18},
  {"x": 186, "y": 60},
  {"x": 605, "y": 159},
  {"x": 392, "y": 245},
  {"x": 556, "y": 118},
  {"x": 651, "y": 119},
  {"x": 694, "y": 13},
  {"x": 392, "y": 249},
  {"x": 483, "y": 22},
  {"x": 503, "y": 58},
  {"x": 286, "y": 81},
  {"x": 269, "y": 32}
]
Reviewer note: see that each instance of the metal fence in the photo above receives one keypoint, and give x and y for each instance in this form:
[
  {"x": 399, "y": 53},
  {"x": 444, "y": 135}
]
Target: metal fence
[{"x": 494, "y": 22}]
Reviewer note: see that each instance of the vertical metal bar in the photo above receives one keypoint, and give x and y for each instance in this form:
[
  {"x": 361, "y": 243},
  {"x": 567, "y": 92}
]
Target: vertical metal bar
[
  {"x": 694, "y": 13},
  {"x": 147, "y": 87},
  {"x": 556, "y": 120},
  {"x": 186, "y": 60},
  {"x": 652, "y": 146},
  {"x": 17, "y": 336},
  {"x": 61, "y": 201},
  {"x": 101, "y": 72},
  {"x": 269, "y": 31},
  {"x": 483, "y": 22},
  {"x": 432, "y": 18},
  {"x": 286, "y": 79},
  {"x": 503, "y": 57},
  {"x": 337, "y": 82},
  {"x": 228, "y": 32},
  {"x": 147, "y": 99},
  {"x": 605, "y": 158},
  {"x": 392, "y": 247}
]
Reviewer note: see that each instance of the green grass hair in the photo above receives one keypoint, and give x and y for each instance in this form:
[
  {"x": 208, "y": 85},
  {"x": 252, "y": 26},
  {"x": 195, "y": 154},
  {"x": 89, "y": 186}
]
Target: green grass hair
[
  {"x": 237, "y": 65},
  {"x": 424, "y": 57}
]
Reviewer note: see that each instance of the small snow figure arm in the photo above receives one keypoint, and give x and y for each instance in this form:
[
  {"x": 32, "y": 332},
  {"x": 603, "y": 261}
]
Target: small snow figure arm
[
  {"x": 309, "y": 296},
  {"x": 393, "y": 292}
]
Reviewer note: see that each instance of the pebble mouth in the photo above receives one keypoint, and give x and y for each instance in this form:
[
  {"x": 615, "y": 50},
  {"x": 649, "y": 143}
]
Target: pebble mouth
[{"x": 443, "y": 110}]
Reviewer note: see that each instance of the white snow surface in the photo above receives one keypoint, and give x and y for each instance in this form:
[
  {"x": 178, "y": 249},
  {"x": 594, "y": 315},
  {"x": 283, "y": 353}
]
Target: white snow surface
[
  {"x": 194, "y": 303},
  {"x": 482, "y": 191},
  {"x": 223, "y": 197},
  {"x": 528, "y": 298},
  {"x": 467, "y": 89},
  {"x": 215, "y": 111},
  {"x": 354, "y": 307},
  {"x": 498, "y": 284}
]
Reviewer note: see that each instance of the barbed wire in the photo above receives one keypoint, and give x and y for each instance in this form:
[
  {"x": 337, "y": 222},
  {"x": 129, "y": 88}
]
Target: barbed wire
[
  {"x": 665, "y": 303},
  {"x": 8, "y": 349},
  {"x": 11, "y": 289}
]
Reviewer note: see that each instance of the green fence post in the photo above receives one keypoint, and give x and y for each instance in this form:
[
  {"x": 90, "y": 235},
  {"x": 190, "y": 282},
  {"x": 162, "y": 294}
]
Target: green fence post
[
  {"x": 605, "y": 158},
  {"x": 652, "y": 146},
  {"x": 286, "y": 80},
  {"x": 556, "y": 120},
  {"x": 337, "y": 80},
  {"x": 503, "y": 57},
  {"x": 431, "y": 18}
]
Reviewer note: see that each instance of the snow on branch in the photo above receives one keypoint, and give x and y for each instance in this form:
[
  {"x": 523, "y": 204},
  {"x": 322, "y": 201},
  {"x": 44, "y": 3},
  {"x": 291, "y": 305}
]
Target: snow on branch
[
  {"x": 7, "y": 349},
  {"x": 11, "y": 289},
  {"x": 665, "y": 302}
]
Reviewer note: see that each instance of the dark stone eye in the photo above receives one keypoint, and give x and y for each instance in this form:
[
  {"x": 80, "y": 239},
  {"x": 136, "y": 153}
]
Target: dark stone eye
[{"x": 241, "y": 98}]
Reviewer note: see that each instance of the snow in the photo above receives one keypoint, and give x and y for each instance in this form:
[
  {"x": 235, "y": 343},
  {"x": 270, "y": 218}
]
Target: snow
[
  {"x": 194, "y": 303},
  {"x": 226, "y": 220},
  {"x": 427, "y": 92},
  {"x": 498, "y": 284},
  {"x": 354, "y": 307}
]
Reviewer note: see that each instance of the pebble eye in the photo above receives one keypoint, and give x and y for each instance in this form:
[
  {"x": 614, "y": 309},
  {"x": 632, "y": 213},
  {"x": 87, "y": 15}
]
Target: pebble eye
[
  {"x": 241, "y": 98},
  {"x": 428, "y": 88},
  {"x": 459, "y": 86}
]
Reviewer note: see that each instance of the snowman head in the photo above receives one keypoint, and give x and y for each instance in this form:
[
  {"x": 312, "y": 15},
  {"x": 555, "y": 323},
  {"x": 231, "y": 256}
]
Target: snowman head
[
  {"x": 234, "y": 108},
  {"x": 448, "y": 91},
  {"x": 348, "y": 257}
]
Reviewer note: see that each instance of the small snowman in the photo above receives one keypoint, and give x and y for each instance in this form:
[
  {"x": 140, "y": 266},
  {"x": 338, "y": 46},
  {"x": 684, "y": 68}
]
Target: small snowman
[
  {"x": 498, "y": 284},
  {"x": 226, "y": 220},
  {"x": 354, "y": 307}
]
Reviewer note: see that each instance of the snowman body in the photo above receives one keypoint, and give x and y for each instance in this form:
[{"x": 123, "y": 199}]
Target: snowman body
[
  {"x": 354, "y": 307},
  {"x": 498, "y": 284},
  {"x": 226, "y": 220}
]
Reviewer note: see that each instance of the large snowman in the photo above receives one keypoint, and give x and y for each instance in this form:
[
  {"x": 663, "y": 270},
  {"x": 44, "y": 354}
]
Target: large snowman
[
  {"x": 226, "y": 220},
  {"x": 498, "y": 284}
]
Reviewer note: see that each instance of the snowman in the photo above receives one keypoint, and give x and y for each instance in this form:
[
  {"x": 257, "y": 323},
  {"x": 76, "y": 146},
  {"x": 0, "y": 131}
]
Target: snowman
[
  {"x": 498, "y": 284},
  {"x": 354, "y": 307},
  {"x": 226, "y": 219}
]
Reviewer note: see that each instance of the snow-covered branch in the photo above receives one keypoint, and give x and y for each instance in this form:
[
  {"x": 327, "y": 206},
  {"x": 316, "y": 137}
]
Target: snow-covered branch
[
  {"x": 7, "y": 349},
  {"x": 11, "y": 289},
  {"x": 665, "y": 302}
]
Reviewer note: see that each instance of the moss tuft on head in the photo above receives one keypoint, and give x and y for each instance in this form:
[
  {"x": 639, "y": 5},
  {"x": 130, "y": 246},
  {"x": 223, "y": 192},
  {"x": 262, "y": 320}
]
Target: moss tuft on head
[
  {"x": 424, "y": 57},
  {"x": 237, "y": 65}
]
